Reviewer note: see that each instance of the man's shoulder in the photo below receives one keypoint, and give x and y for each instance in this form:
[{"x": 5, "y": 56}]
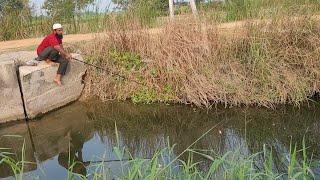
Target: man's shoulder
[
  {"x": 50, "y": 36},
  {"x": 53, "y": 37}
]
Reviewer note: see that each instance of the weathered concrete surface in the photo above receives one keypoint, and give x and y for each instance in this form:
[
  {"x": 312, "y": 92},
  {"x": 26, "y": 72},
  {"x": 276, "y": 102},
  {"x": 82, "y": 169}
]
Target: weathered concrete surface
[
  {"x": 42, "y": 95},
  {"x": 21, "y": 57},
  {"x": 11, "y": 107}
]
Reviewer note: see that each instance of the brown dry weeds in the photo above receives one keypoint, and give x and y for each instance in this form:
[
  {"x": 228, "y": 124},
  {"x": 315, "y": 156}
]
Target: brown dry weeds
[{"x": 195, "y": 62}]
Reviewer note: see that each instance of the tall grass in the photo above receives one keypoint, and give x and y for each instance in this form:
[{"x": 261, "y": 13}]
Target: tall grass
[
  {"x": 234, "y": 10},
  {"x": 164, "y": 164},
  {"x": 258, "y": 63},
  {"x": 18, "y": 25},
  {"x": 22, "y": 24},
  {"x": 12, "y": 160}
]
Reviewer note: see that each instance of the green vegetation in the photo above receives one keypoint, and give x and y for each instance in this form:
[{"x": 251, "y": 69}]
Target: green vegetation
[
  {"x": 151, "y": 13},
  {"x": 127, "y": 60},
  {"x": 144, "y": 95},
  {"x": 234, "y": 10},
  {"x": 11, "y": 160},
  {"x": 164, "y": 164}
]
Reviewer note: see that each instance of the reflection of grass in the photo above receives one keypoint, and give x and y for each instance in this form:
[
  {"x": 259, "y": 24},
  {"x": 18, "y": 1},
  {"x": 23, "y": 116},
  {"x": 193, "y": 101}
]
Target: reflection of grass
[
  {"x": 10, "y": 159},
  {"x": 164, "y": 164},
  {"x": 140, "y": 121}
]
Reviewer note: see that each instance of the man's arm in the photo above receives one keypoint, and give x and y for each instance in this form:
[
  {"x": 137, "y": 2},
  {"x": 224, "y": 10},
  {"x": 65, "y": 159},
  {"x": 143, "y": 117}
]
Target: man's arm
[{"x": 62, "y": 51}]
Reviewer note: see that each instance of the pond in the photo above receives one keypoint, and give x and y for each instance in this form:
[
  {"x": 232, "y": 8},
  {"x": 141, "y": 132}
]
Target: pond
[{"x": 87, "y": 131}]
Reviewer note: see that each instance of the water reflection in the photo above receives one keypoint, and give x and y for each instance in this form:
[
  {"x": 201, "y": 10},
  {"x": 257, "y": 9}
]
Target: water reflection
[
  {"x": 86, "y": 130},
  {"x": 73, "y": 157}
]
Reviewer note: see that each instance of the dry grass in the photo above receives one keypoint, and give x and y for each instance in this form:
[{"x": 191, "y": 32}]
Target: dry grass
[{"x": 189, "y": 61}]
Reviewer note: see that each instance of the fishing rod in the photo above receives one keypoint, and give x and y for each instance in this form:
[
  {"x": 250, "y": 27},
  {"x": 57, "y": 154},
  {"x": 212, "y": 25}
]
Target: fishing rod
[
  {"x": 86, "y": 163},
  {"x": 106, "y": 70},
  {"x": 35, "y": 153}
]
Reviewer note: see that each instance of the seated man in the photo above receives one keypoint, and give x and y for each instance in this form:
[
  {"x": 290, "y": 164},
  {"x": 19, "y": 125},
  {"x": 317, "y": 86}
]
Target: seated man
[{"x": 51, "y": 50}]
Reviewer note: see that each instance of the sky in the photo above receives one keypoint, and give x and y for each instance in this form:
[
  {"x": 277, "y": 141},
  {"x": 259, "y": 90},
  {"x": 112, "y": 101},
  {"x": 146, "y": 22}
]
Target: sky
[{"x": 102, "y": 4}]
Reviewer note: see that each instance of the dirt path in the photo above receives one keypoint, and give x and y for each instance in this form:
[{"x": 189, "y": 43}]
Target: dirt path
[
  {"x": 24, "y": 43},
  {"x": 6, "y": 46}
]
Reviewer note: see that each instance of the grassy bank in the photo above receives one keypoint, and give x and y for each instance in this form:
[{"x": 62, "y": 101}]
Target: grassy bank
[{"x": 187, "y": 61}]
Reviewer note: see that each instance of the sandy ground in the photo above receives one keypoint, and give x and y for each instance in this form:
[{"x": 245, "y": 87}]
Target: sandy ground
[
  {"x": 5, "y": 46},
  {"x": 31, "y": 44}
]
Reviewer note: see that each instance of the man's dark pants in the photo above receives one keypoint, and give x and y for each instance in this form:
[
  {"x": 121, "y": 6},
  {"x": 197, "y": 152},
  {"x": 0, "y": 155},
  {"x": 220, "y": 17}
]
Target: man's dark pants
[{"x": 53, "y": 55}]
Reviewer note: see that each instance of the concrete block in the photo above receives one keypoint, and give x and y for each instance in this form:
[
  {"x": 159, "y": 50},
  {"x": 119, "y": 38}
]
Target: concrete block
[
  {"x": 11, "y": 107},
  {"x": 42, "y": 95},
  {"x": 21, "y": 57}
]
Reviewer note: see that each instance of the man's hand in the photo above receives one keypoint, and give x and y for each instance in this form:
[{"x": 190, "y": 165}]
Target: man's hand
[
  {"x": 63, "y": 52},
  {"x": 68, "y": 56}
]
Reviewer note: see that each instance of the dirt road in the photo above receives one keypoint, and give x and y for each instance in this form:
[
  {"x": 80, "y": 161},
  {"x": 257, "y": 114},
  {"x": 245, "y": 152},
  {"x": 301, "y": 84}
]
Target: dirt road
[
  {"x": 233, "y": 27},
  {"x": 24, "y": 43},
  {"x": 6, "y": 46}
]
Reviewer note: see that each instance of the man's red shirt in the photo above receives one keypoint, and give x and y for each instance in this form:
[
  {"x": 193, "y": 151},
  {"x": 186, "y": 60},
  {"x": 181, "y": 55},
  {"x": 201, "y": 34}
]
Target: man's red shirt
[{"x": 51, "y": 40}]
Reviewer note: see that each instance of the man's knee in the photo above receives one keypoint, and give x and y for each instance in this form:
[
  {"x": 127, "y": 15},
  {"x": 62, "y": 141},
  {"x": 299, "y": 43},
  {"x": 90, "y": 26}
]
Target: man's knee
[
  {"x": 54, "y": 54},
  {"x": 53, "y": 51},
  {"x": 49, "y": 53}
]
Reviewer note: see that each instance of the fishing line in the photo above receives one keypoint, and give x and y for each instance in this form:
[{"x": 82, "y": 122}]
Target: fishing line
[{"x": 106, "y": 70}]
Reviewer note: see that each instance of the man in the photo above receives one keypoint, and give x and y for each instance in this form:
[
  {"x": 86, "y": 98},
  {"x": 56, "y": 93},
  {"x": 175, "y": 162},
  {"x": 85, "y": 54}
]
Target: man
[{"x": 51, "y": 50}]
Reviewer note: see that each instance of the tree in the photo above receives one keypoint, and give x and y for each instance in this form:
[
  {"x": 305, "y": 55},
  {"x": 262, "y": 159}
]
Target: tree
[
  {"x": 159, "y": 5},
  {"x": 122, "y": 4},
  {"x": 12, "y": 5},
  {"x": 15, "y": 16},
  {"x": 65, "y": 9}
]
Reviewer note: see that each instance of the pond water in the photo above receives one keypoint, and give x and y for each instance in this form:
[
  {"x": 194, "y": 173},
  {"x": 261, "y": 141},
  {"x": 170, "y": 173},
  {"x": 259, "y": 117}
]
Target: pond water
[{"x": 87, "y": 130}]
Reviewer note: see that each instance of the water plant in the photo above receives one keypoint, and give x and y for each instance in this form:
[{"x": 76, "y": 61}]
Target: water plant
[{"x": 13, "y": 161}]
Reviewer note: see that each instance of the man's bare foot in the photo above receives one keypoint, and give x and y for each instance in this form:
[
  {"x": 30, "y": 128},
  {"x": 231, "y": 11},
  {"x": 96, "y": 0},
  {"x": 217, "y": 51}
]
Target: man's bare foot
[
  {"x": 58, "y": 82},
  {"x": 51, "y": 63}
]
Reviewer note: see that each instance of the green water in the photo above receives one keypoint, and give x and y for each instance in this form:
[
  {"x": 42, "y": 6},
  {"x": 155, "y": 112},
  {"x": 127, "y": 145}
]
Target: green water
[{"x": 89, "y": 129}]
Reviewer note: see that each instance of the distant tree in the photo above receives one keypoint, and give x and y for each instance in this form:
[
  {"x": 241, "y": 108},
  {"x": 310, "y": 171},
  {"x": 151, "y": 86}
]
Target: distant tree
[
  {"x": 123, "y": 4},
  {"x": 11, "y": 5},
  {"x": 15, "y": 16},
  {"x": 159, "y": 5},
  {"x": 65, "y": 9}
]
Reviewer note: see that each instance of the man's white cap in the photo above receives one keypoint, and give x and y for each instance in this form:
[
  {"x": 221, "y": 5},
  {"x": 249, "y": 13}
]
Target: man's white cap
[{"x": 56, "y": 26}]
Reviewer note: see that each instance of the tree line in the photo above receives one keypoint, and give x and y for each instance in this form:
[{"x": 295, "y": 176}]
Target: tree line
[{"x": 69, "y": 9}]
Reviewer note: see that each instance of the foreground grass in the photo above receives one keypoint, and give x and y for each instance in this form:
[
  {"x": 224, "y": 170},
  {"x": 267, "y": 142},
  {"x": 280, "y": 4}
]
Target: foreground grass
[{"x": 199, "y": 164}]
